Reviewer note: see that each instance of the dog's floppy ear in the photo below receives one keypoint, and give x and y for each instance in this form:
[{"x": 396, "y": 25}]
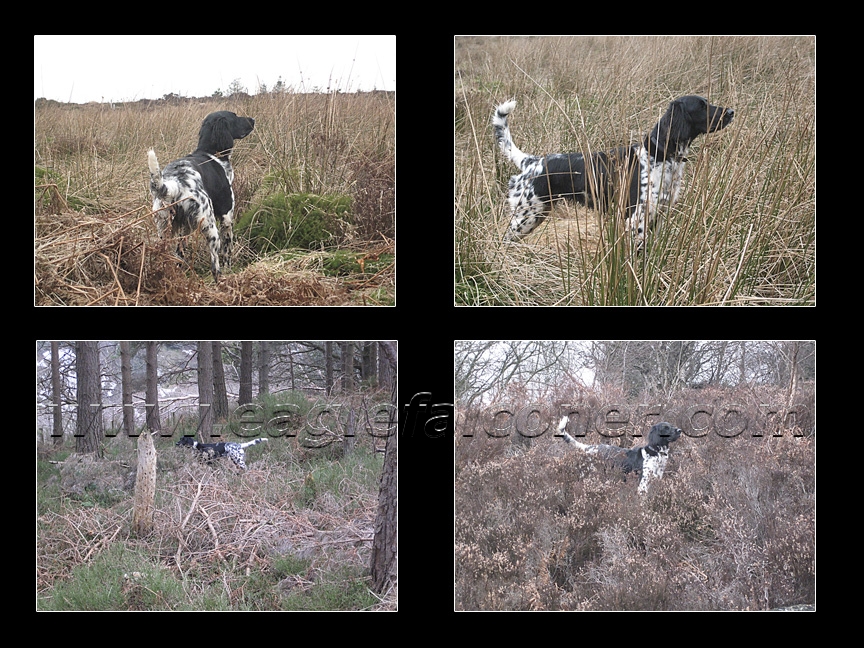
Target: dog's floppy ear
[
  {"x": 663, "y": 434},
  {"x": 215, "y": 134}
]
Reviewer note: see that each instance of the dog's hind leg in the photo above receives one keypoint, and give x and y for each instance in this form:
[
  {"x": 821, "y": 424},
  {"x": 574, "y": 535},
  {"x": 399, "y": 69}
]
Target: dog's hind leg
[{"x": 211, "y": 235}]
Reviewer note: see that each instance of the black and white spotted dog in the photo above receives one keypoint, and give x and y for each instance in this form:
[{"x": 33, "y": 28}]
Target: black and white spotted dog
[
  {"x": 643, "y": 178},
  {"x": 195, "y": 192},
  {"x": 234, "y": 451},
  {"x": 649, "y": 459}
]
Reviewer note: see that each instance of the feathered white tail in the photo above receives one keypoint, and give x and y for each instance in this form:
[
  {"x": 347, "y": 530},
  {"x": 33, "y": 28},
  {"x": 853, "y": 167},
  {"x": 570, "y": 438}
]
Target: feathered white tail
[
  {"x": 569, "y": 439},
  {"x": 155, "y": 172},
  {"x": 502, "y": 133}
]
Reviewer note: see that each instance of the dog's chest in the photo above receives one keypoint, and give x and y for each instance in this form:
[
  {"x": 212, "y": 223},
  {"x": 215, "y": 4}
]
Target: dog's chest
[
  {"x": 665, "y": 182},
  {"x": 660, "y": 181},
  {"x": 666, "y": 179}
]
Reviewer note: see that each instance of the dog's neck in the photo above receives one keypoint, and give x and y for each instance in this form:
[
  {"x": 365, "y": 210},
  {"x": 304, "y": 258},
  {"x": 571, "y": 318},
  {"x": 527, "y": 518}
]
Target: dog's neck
[
  {"x": 655, "y": 450},
  {"x": 673, "y": 151}
]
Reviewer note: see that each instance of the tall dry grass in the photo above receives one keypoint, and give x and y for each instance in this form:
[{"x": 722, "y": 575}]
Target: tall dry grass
[
  {"x": 91, "y": 168},
  {"x": 323, "y": 143},
  {"x": 743, "y": 231}
]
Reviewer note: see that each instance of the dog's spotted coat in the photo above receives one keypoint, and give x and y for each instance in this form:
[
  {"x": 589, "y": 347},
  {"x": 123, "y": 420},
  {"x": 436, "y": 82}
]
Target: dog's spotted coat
[
  {"x": 649, "y": 459},
  {"x": 195, "y": 192},
  {"x": 641, "y": 178},
  {"x": 234, "y": 451}
]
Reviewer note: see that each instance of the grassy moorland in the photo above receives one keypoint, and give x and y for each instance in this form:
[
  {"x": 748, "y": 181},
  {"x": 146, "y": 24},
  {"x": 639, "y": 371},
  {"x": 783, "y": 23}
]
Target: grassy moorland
[
  {"x": 323, "y": 164},
  {"x": 743, "y": 231}
]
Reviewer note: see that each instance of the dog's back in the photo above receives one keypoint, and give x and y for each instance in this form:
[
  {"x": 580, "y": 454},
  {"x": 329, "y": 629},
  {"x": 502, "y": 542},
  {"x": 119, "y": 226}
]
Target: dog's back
[
  {"x": 649, "y": 459},
  {"x": 234, "y": 451}
]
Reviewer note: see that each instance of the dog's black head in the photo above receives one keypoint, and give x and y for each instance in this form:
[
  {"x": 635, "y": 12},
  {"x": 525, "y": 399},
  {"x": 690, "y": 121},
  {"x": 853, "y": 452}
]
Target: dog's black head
[
  {"x": 704, "y": 117},
  {"x": 663, "y": 434},
  {"x": 687, "y": 118},
  {"x": 220, "y": 129},
  {"x": 186, "y": 441}
]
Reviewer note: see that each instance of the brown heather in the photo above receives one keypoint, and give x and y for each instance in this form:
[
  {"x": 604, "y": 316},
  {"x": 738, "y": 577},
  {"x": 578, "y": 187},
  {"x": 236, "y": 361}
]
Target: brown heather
[{"x": 731, "y": 526}]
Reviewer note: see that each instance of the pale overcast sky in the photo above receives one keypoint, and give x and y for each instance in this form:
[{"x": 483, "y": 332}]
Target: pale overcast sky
[{"x": 79, "y": 69}]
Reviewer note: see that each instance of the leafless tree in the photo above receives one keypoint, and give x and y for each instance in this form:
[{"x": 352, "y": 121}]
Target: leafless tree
[
  {"x": 245, "y": 373},
  {"x": 151, "y": 407},
  {"x": 220, "y": 393},
  {"x": 205, "y": 390},
  {"x": 127, "y": 389},
  {"x": 57, "y": 395},
  {"x": 263, "y": 368}
]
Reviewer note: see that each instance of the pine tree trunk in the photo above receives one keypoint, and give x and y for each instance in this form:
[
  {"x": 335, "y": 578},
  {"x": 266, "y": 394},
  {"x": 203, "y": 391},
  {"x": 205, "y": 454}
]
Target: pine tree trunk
[{"x": 384, "y": 544}]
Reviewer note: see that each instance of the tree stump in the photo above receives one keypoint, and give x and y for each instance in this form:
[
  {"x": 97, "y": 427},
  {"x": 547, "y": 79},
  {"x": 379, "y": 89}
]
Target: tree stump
[{"x": 145, "y": 486}]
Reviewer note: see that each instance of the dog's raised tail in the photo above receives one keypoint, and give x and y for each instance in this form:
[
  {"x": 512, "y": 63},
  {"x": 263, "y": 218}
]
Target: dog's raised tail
[
  {"x": 502, "y": 133},
  {"x": 569, "y": 439},
  {"x": 155, "y": 172},
  {"x": 505, "y": 109},
  {"x": 251, "y": 443}
]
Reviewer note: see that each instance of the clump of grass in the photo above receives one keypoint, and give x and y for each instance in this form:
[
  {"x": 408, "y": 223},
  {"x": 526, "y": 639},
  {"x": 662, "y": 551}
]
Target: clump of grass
[{"x": 283, "y": 220}]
